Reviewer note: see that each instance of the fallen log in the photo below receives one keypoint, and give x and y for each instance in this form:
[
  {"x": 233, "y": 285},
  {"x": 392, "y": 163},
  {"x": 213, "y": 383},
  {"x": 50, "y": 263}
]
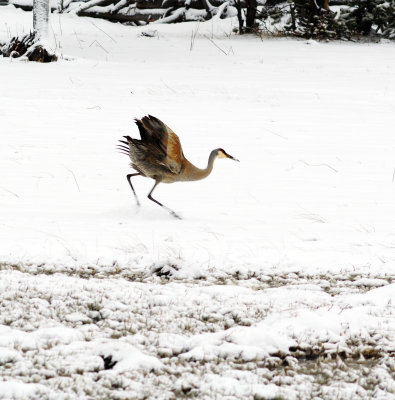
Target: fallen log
[
  {"x": 91, "y": 4},
  {"x": 133, "y": 15},
  {"x": 196, "y": 4},
  {"x": 28, "y": 46},
  {"x": 143, "y": 11}
]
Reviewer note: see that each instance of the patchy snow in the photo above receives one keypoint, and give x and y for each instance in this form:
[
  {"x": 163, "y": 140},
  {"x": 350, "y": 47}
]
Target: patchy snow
[
  {"x": 279, "y": 280},
  {"x": 128, "y": 357},
  {"x": 14, "y": 390}
]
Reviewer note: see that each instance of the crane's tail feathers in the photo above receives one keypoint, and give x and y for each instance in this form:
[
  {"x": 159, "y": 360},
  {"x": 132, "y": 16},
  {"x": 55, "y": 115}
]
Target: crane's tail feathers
[
  {"x": 123, "y": 148},
  {"x": 123, "y": 152},
  {"x": 130, "y": 141}
]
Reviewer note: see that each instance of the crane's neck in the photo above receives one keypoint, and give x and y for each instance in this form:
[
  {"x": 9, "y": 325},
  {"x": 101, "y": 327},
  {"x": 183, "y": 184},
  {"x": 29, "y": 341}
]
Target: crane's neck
[{"x": 193, "y": 173}]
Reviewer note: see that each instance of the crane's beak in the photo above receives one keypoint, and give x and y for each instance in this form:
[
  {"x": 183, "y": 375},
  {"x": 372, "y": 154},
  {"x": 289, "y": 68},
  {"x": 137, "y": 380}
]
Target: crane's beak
[{"x": 232, "y": 158}]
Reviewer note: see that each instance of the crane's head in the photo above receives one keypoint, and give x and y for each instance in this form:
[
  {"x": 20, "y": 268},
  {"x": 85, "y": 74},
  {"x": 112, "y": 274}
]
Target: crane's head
[{"x": 221, "y": 153}]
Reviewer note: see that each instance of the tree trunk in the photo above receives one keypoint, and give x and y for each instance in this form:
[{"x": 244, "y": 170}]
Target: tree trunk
[
  {"x": 40, "y": 51},
  {"x": 293, "y": 19},
  {"x": 251, "y": 14},
  {"x": 40, "y": 19},
  {"x": 239, "y": 16}
]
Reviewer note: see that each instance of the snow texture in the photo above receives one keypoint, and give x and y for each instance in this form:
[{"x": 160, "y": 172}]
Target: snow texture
[{"x": 279, "y": 282}]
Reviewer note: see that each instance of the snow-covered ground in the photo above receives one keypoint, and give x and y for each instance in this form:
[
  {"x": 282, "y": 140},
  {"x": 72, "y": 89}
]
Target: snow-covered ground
[{"x": 279, "y": 282}]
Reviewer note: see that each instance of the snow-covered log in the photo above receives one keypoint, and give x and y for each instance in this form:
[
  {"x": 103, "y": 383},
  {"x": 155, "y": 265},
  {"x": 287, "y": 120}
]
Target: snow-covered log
[
  {"x": 177, "y": 16},
  {"x": 17, "y": 47},
  {"x": 121, "y": 4},
  {"x": 92, "y": 3},
  {"x": 184, "y": 14},
  {"x": 197, "y": 4},
  {"x": 133, "y": 15},
  {"x": 140, "y": 11}
]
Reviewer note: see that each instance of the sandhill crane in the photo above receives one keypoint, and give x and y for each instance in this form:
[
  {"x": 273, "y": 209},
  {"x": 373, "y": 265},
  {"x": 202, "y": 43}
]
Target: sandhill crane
[{"x": 158, "y": 155}]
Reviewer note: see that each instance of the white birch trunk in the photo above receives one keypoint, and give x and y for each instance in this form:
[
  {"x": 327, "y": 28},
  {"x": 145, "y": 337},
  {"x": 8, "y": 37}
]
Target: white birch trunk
[{"x": 40, "y": 20}]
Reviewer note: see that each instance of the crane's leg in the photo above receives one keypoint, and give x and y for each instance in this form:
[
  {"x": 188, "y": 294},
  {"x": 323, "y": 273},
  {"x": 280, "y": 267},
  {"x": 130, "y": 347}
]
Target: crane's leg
[
  {"x": 130, "y": 183},
  {"x": 157, "y": 202}
]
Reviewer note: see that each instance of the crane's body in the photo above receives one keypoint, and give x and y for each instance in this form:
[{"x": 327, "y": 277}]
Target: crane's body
[{"x": 159, "y": 156}]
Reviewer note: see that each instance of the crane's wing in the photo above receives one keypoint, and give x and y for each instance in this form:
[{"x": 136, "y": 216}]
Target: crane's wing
[{"x": 163, "y": 144}]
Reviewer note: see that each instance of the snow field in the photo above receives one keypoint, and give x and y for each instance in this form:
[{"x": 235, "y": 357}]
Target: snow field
[{"x": 278, "y": 282}]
